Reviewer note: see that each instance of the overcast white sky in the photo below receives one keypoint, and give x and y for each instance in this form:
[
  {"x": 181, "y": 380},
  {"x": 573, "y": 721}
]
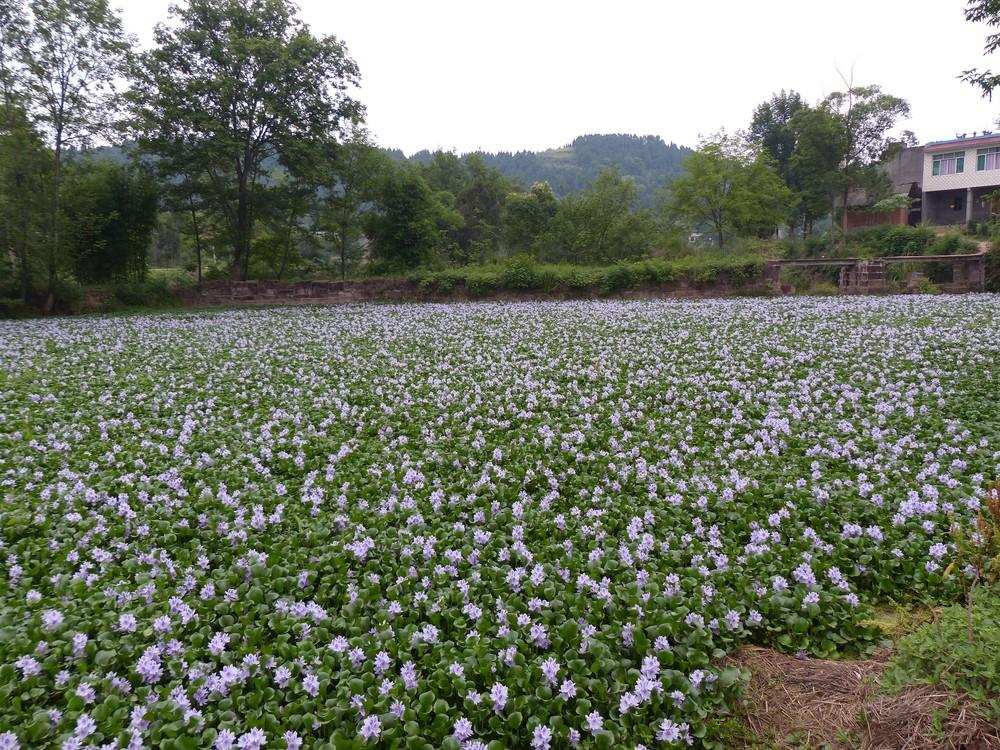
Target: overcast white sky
[{"x": 533, "y": 74}]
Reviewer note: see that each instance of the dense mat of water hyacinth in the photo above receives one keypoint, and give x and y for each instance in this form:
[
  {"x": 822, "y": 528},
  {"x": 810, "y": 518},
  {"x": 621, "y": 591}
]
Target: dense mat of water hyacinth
[{"x": 529, "y": 526}]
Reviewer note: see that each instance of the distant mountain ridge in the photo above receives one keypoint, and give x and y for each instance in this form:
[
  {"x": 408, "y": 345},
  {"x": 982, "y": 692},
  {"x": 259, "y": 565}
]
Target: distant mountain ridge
[{"x": 647, "y": 159}]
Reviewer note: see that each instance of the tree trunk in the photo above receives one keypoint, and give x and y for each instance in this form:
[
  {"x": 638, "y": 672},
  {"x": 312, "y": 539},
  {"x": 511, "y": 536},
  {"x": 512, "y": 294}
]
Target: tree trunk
[
  {"x": 197, "y": 237},
  {"x": 343, "y": 251},
  {"x": 241, "y": 240},
  {"x": 843, "y": 217},
  {"x": 55, "y": 238}
]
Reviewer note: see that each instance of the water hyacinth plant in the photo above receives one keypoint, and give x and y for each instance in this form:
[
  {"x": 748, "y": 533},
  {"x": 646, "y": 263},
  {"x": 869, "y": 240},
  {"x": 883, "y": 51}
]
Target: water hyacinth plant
[{"x": 468, "y": 526}]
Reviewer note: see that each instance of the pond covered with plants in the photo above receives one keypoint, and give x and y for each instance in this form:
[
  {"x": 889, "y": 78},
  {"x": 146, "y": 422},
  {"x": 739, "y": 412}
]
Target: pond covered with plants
[{"x": 468, "y": 526}]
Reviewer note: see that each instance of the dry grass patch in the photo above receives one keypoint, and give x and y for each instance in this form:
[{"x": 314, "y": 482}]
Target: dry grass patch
[{"x": 821, "y": 703}]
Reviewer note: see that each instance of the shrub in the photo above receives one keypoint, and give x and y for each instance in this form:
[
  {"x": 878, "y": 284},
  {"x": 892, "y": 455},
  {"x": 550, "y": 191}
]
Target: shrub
[
  {"x": 617, "y": 277},
  {"x": 67, "y": 295},
  {"x": 940, "y": 653},
  {"x": 521, "y": 272},
  {"x": 890, "y": 240},
  {"x": 993, "y": 268},
  {"x": 149, "y": 293},
  {"x": 14, "y": 307},
  {"x": 951, "y": 244}
]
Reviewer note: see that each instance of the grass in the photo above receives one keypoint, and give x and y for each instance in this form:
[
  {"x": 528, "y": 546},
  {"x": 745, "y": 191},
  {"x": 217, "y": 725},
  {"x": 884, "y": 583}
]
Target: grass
[{"x": 939, "y": 653}]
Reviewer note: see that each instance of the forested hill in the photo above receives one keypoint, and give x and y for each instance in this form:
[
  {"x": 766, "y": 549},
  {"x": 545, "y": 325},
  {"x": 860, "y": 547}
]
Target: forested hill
[{"x": 647, "y": 159}]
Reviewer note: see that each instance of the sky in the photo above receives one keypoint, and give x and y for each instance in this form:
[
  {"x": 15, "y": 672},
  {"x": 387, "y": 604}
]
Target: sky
[{"x": 466, "y": 75}]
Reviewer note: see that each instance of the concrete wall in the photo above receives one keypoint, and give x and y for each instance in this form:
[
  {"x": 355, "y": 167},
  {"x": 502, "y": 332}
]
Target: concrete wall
[{"x": 969, "y": 178}]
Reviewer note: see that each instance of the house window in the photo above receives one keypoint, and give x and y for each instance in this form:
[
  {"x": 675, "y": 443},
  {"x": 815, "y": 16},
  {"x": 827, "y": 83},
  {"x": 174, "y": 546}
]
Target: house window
[
  {"x": 988, "y": 158},
  {"x": 951, "y": 163}
]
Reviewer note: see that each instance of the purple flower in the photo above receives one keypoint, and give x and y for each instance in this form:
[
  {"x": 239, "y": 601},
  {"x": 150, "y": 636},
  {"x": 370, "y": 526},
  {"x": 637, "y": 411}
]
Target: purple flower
[
  {"x": 498, "y": 694},
  {"x": 541, "y": 738},
  {"x": 252, "y": 740},
  {"x": 463, "y": 729},
  {"x": 371, "y": 728},
  {"x": 567, "y": 689}
]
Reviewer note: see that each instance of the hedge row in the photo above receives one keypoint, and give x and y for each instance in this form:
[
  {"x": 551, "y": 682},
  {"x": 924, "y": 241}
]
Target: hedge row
[{"x": 525, "y": 275}]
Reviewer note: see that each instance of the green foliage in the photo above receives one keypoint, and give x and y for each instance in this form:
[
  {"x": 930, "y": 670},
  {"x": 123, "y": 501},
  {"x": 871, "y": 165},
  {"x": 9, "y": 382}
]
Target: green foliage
[
  {"x": 523, "y": 274},
  {"x": 772, "y": 131},
  {"x": 25, "y": 181},
  {"x": 67, "y": 295},
  {"x": 599, "y": 225},
  {"x": 988, "y": 12},
  {"x": 940, "y": 653},
  {"x": 887, "y": 240},
  {"x": 646, "y": 160},
  {"x": 892, "y": 203},
  {"x": 528, "y": 217},
  {"x": 993, "y": 268},
  {"x": 233, "y": 88},
  {"x": 152, "y": 292},
  {"x": 731, "y": 193},
  {"x": 408, "y": 224},
  {"x": 110, "y": 213}
]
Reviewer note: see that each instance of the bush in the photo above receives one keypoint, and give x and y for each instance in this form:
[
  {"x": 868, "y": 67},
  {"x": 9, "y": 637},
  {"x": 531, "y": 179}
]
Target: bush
[
  {"x": 14, "y": 307},
  {"x": 521, "y": 272},
  {"x": 951, "y": 244},
  {"x": 993, "y": 268},
  {"x": 940, "y": 653},
  {"x": 149, "y": 293},
  {"x": 888, "y": 240},
  {"x": 67, "y": 296}
]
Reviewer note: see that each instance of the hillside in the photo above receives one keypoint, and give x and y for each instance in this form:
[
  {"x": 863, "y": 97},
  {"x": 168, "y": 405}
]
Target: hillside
[{"x": 647, "y": 159}]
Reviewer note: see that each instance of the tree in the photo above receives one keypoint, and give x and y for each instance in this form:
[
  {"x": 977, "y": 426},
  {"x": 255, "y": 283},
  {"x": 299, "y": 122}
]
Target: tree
[
  {"x": 528, "y": 216},
  {"x": 353, "y": 178},
  {"x": 13, "y": 36},
  {"x": 74, "y": 57},
  {"x": 446, "y": 171},
  {"x": 732, "y": 192},
  {"x": 988, "y": 12},
  {"x": 600, "y": 224},
  {"x": 480, "y": 204},
  {"x": 111, "y": 213},
  {"x": 409, "y": 224},
  {"x": 232, "y": 90},
  {"x": 771, "y": 130},
  {"x": 25, "y": 174},
  {"x": 288, "y": 216},
  {"x": 867, "y": 117},
  {"x": 814, "y": 168}
]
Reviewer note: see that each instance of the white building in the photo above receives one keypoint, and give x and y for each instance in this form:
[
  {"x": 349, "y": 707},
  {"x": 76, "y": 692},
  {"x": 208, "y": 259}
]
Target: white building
[{"x": 957, "y": 175}]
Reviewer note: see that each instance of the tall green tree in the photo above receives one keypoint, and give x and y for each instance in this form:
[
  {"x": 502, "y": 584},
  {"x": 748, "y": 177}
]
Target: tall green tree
[
  {"x": 13, "y": 36},
  {"x": 730, "y": 192},
  {"x": 74, "y": 59},
  {"x": 480, "y": 204},
  {"x": 234, "y": 88},
  {"x": 528, "y": 217},
  {"x": 408, "y": 225},
  {"x": 868, "y": 117},
  {"x": 771, "y": 130},
  {"x": 111, "y": 212},
  {"x": 446, "y": 171},
  {"x": 25, "y": 174},
  {"x": 353, "y": 178},
  {"x": 600, "y": 224},
  {"x": 814, "y": 168}
]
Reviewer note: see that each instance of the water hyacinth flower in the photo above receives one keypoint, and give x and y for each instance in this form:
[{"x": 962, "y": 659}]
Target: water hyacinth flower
[
  {"x": 417, "y": 497},
  {"x": 371, "y": 728}
]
